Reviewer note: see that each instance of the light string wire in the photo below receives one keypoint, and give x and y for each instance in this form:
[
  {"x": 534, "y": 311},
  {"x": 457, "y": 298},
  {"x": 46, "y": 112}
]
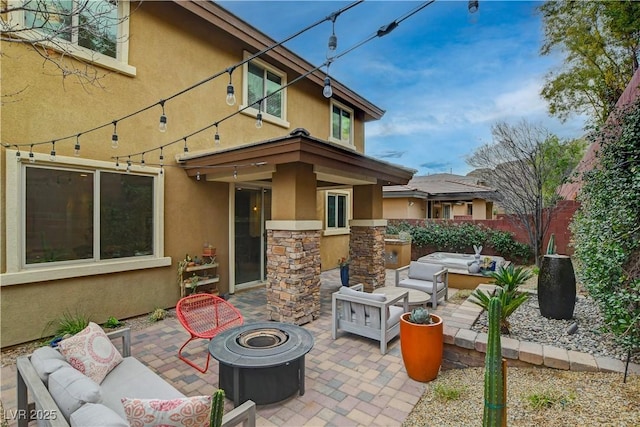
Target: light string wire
[
  {"x": 382, "y": 31},
  {"x": 229, "y": 70}
]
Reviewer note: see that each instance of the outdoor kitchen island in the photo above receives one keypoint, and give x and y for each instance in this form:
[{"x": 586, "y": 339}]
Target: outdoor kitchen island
[{"x": 263, "y": 361}]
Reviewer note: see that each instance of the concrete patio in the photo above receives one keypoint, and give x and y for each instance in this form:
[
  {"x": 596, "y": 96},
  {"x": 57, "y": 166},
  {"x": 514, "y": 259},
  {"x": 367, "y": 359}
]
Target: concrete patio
[{"x": 348, "y": 381}]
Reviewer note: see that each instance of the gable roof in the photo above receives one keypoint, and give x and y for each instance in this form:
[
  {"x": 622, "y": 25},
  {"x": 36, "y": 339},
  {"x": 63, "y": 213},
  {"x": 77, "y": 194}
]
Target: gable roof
[
  {"x": 441, "y": 186},
  {"x": 253, "y": 38}
]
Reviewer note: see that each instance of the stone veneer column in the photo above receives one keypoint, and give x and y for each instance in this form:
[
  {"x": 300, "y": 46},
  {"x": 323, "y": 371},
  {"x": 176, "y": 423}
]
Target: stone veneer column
[
  {"x": 293, "y": 271},
  {"x": 366, "y": 250}
]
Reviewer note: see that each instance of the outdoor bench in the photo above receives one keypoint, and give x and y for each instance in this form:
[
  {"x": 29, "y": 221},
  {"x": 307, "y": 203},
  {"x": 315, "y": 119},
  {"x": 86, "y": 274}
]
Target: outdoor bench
[{"x": 130, "y": 378}]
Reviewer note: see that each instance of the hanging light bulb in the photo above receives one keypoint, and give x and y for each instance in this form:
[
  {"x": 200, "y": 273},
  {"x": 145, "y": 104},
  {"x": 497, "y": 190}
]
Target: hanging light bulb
[
  {"x": 235, "y": 172},
  {"x": 18, "y": 155},
  {"x": 129, "y": 164},
  {"x": 198, "y": 175},
  {"x": 473, "y": 6},
  {"x": 76, "y": 148},
  {"x": 231, "y": 96},
  {"x": 52, "y": 155},
  {"x": 114, "y": 137},
  {"x": 327, "y": 91},
  {"x": 117, "y": 163},
  {"x": 333, "y": 39},
  {"x": 161, "y": 157},
  {"x": 185, "y": 149},
  {"x": 259, "y": 121},
  {"x": 216, "y": 137},
  {"x": 32, "y": 158},
  {"x": 142, "y": 162},
  {"x": 162, "y": 126}
]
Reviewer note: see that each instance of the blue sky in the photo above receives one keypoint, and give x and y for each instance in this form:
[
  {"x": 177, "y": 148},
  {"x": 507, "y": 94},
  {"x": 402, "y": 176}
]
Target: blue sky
[{"x": 443, "y": 76}]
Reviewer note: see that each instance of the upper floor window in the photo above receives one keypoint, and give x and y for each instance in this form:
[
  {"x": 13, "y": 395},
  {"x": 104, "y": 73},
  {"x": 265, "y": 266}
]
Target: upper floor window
[
  {"x": 263, "y": 82},
  {"x": 341, "y": 124},
  {"x": 95, "y": 31},
  {"x": 75, "y": 214}
]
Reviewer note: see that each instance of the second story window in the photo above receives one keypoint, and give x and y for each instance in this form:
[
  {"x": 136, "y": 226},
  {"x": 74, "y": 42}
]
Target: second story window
[
  {"x": 93, "y": 31},
  {"x": 90, "y": 24},
  {"x": 263, "y": 81},
  {"x": 341, "y": 124}
]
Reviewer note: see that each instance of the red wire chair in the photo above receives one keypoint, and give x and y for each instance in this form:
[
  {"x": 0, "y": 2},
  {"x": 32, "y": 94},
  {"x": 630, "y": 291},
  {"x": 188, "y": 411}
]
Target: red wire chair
[{"x": 204, "y": 316}]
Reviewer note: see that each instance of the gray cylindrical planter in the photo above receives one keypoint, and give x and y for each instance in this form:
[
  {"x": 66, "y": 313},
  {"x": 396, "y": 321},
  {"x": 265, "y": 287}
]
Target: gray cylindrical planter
[{"x": 556, "y": 287}]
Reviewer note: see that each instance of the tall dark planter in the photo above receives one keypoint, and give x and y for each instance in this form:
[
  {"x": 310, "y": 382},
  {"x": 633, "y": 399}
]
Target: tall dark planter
[
  {"x": 556, "y": 287},
  {"x": 344, "y": 275}
]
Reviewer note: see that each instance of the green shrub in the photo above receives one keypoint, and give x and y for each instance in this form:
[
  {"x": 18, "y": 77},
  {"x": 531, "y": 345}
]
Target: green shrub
[
  {"x": 606, "y": 228},
  {"x": 445, "y": 392},
  {"x": 112, "y": 323},
  {"x": 70, "y": 324},
  {"x": 548, "y": 399},
  {"x": 157, "y": 314}
]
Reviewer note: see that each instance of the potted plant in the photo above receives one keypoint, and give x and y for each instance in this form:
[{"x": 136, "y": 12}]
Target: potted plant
[
  {"x": 421, "y": 343},
  {"x": 556, "y": 284},
  {"x": 343, "y": 263}
]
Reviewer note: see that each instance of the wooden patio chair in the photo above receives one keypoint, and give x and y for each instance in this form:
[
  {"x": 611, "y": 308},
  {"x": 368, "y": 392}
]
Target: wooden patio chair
[{"x": 204, "y": 316}]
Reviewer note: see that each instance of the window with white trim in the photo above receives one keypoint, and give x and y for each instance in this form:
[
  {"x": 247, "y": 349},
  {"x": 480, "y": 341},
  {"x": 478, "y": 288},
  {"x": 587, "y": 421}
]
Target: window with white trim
[
  {"x": 337, "y": 211},
  {"x": 78, "y": 215},
  {"x": 92, "y": 30},
  {"x": 262, "y": 80},
  {"x": 341, "y": 124}
]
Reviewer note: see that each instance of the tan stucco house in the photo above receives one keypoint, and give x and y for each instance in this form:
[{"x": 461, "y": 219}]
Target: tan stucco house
[
  {"x": 102, "y": 232},
  {"x": 439, "y": 196}
]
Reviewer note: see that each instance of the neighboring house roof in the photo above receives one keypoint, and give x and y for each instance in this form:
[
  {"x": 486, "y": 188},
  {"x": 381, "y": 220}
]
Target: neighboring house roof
[
  {"x": 257, "y": 41},
  {"x": 442, "y": 186},
  {"x": 570, "y": 190},
  {"x": 403, "y": 191}
]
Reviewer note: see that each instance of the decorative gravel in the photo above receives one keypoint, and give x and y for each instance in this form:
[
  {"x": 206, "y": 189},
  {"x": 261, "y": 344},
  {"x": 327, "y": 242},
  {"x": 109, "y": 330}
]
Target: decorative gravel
[{"x": 527, "y": 324}]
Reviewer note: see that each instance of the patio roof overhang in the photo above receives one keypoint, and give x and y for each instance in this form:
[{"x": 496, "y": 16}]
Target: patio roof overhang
[
  {"x": 334, "y": 165},
  {"x": 466, "y": 196}
]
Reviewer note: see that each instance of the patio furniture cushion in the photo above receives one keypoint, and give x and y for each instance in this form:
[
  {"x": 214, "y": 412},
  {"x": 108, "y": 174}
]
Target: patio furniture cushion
[
  {"x": 89, "y": 414},
  {"x": 47, "y": 360},
  {"x": 71, "y": 389},
  {"x": 91, "y": 352},
  {"x": 421, "y": 285},
  {"x": 423, "y": 271},
  {"x": 132, "y": 379},
  {"x": 192, "y": 411}
]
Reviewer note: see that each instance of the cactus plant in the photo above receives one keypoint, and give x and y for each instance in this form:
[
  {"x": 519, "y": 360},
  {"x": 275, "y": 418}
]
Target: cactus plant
[
  {"x": 420, "y": 316},
  {"x": 217, "y": 408},
  {"x": 493, "y": 374},
  {"x": 551, "y": 246}
]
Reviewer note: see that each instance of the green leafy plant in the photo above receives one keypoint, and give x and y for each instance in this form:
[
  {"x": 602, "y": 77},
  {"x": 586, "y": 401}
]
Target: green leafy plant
[
  {"x": 446, "y": 392},
  {"x": 420, "y": 316},
  {"x": 158, "y": 314},
  {"x": 70, "y": 324},
  {"x": 607, "y": 246},
  {"x": 507, "y": 280},
  {"x": 112, "y": 323},
  {"x": 548, "y": 399},
  {"x": 217, "y": 408},
  {"x": 551, "y": 246},
  {"x": 494, "y": 393}
]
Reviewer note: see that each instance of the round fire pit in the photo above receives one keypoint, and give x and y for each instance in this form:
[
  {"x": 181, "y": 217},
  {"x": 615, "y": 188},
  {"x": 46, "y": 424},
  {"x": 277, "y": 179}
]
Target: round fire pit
[{"x": 263, "y": 362}]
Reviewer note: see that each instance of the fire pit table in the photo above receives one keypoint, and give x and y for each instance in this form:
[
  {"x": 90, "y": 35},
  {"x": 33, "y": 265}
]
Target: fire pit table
[{"x": 263, "y": 362}]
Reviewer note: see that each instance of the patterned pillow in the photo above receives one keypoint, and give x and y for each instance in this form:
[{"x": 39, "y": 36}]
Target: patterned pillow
[
  {"x": 91, "y": 352},
  {"x": 188, "y": 411}
]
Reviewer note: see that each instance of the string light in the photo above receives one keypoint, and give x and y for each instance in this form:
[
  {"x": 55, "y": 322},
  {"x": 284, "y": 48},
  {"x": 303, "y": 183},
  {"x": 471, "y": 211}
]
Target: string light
[
  {"x": 333, "y": 39},
  {"x": 162, "y": 126},
  {"x": 473, "y": 6},
  {"x": 18, "y": 155},
  {"x": 231, "y": 96},
  {"x": 161, "y": 159},
  {"x": 235, "y": 172},
  {"x": 76, "y": 148},
  {"x": 32, "y": 159},
  {"x": 185, "y": 149},
  {"x": 117, "y": 163},
  {"x": 114, "y": 137},
  {"x": 129, "y": 164},
  {"x": 216, "y": 137},
  {"x": 198, "y": 175},
  {"x": 52, "y": 155},
  {"x": 259, "y": 116},
  {"x": 327, "y": 91},
  {"x": 142, "y": 163}
]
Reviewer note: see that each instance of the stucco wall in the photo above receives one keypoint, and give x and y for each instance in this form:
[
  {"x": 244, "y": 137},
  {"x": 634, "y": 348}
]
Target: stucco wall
[{"x": 171, "y": 50}]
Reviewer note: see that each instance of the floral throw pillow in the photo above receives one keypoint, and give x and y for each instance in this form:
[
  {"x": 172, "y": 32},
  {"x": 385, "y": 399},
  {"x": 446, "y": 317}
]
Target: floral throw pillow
[
  {"x": 91, "y": 352},
  {"x": 188, "y": 411}
]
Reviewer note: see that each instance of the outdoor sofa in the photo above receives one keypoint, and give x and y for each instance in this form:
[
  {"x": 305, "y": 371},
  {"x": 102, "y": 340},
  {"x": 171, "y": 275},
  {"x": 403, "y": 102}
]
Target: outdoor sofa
[{"x": 64, "y": 396}]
